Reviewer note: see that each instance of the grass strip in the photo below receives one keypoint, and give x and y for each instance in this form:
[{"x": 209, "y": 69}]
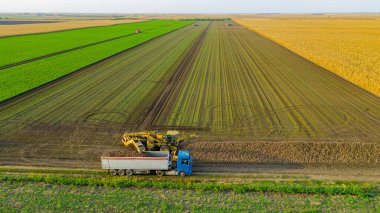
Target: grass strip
[
  {"x": 104, "y": 173},
  {"x": 194, "y": 176},
  {"x": 291, "y": 187}
]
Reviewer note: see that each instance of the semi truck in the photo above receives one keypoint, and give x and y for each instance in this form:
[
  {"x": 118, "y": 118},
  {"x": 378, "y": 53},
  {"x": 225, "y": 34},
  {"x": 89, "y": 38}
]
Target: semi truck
[{"x": 160, "y": 162}]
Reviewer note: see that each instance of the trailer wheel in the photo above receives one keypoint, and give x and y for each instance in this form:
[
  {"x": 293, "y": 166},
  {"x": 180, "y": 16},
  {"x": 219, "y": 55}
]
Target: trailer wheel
[
  {"x": 182, "y": 174},
  {"x": 129, "y": 172},
  {"x": 121, "y": 172},
  {"x": 160, "y": 173},
  {"x": 114, "y": 172}
]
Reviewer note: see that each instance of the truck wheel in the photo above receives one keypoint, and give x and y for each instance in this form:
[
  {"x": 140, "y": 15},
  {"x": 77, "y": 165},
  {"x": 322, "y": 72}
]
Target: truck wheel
[
  {"x": 129, "y": 172},
  {"x": 114, "y": 172},
  {"x": 182, "y": 174},
  {"x": 121, "y": 172},
  {"x": 160, "y": 173}
]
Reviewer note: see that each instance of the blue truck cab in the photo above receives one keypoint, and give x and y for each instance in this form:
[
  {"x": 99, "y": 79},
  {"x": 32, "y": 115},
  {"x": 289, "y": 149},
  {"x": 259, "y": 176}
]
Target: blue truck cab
[{"x": 184, "y": 163}]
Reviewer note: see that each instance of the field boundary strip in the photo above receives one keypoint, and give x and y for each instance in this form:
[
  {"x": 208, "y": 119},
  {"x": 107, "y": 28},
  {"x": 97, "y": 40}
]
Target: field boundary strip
[
  {"x": 147, "y": 120},
  {"x": 78, "y": 71},
  {"x": 72, "y": 49}
]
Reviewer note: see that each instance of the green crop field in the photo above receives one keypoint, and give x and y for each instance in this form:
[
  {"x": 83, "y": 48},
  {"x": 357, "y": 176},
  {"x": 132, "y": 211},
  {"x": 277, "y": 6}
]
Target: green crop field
[
  {"x": 19, "y": 48},
  {"x": 232, "y": 87},
  {"x": 21, "y": 78}
]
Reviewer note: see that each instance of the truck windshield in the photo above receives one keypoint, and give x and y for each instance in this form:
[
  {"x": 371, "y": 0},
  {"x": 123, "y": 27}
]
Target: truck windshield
[{"x": 185, "y": 161}]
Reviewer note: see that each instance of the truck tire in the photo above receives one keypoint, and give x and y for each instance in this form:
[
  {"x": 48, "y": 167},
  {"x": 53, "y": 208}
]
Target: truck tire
[
  {"x": 182, "y": 174},
  {"x": 121, "y": 172},
  {"x": 129, "y": 172},
  {"x": 114, "y": 172},
  {"x": 160, "y": 173}
]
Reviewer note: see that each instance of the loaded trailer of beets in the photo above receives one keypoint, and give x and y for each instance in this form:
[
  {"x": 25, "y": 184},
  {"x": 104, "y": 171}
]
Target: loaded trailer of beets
[{"x": 159, "y": 162}]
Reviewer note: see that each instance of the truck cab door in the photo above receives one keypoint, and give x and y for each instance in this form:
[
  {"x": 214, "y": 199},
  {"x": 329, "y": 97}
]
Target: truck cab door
[{"x": 184, "y": 165}]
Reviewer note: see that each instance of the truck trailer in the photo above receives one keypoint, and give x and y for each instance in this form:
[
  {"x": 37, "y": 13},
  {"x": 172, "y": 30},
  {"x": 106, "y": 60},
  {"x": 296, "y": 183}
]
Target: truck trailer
[{"x": 160, "y": 162}]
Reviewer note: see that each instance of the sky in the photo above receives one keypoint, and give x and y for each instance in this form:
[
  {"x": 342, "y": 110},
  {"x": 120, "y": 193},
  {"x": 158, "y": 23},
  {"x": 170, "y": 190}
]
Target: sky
[{"x": 191, "y": 6}]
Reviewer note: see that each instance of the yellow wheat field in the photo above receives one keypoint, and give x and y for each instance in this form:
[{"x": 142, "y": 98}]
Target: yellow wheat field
[
  {"x": 9, "y": 30},
  {"x": 348, "y": 47}
]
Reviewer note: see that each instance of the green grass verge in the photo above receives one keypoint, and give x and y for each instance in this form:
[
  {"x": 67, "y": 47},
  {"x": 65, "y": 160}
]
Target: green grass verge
[
  {"x": 44, "y": 197},
  {"x": 16, "y": 80},
  {"x": 198, "y": 177},
  {"x": 291, "y": 187},
  {"x": 19, "y": 48}
]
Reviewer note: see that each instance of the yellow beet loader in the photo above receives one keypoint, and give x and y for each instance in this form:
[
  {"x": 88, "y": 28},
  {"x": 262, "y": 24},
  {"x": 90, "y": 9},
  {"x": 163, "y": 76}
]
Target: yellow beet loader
[{"x": 155, "y": 141}]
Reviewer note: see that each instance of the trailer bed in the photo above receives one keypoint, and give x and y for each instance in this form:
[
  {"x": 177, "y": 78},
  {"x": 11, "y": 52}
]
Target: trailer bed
[{"x": 156, "y": 160}]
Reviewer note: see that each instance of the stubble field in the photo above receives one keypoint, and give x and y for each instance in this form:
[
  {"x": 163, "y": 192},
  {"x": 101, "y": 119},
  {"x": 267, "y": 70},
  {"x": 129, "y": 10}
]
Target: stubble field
[{"x": 347, "y": 46}]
